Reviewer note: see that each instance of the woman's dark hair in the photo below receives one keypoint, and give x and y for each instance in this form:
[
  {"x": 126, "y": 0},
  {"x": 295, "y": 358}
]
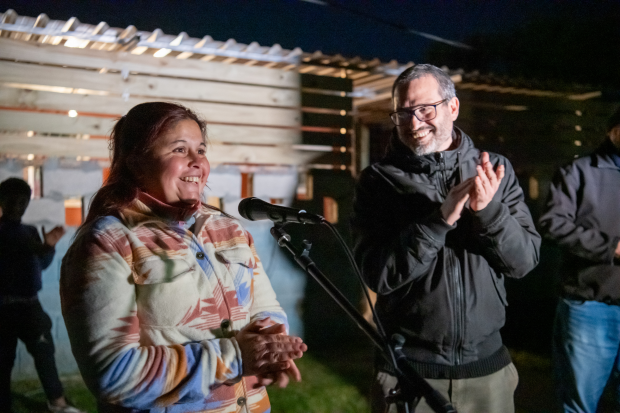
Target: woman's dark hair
[{"x": 131, "y": 142}]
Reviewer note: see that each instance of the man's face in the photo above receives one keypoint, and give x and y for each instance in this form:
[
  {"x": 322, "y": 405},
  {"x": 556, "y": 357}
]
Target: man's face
[
  {"x": 614, "y": 135},
  {"x": 433, "y": 135}
]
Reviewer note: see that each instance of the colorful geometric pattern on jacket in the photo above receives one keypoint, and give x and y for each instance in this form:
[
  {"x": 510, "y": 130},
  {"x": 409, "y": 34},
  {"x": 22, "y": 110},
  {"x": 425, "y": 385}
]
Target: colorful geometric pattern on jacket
[{"x": 152, "y": 309}]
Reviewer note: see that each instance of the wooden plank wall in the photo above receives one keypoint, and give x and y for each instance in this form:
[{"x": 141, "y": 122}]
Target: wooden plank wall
[
  {"x": 538, "y": 134},
  {"x": 327, "y": 120},
  {"x": 253, "y": 113}
]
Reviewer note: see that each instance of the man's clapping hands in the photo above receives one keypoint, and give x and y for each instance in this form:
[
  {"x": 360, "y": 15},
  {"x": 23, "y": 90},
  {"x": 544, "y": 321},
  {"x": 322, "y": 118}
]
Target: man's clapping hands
[
  {"x": 486, "y": 183},
  {"x": 479, "y": 190}
]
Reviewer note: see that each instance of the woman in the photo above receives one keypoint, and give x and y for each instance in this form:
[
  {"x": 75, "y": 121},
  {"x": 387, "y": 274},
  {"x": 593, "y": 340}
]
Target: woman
[{"x": 165, "y": 300}]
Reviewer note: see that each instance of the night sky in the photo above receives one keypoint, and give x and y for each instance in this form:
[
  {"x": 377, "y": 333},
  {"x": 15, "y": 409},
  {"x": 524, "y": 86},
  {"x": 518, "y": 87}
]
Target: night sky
[{"x": 573, "y": 41}]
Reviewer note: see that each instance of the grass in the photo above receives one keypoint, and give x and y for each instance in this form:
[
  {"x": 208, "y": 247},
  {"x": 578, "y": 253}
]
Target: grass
[
  {"x": 28, "y": 396},
  {"x": 535, "y": 392},
  {"x": 320, "y": 390},
  {"x": 335, "y": 383}
]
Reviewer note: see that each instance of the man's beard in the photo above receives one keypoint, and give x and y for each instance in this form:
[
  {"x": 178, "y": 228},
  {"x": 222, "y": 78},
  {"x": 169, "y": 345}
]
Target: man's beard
[{"x": 433, "y": 146}]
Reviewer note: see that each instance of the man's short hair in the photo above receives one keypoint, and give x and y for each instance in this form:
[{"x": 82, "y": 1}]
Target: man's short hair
[
  {"x": 14, "y": 187},
  {"x": 446, "y": 85},
  {"x": 614, "y": 120}
]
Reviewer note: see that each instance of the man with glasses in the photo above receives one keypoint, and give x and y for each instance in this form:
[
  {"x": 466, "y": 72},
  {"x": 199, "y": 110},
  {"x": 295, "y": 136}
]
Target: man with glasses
[{"x": 438, "y": 225}]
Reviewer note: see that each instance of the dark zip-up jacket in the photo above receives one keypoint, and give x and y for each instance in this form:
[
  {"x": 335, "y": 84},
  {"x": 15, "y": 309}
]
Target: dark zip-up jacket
[
  {"x": 583, "y": 216},
  {"x": 441, "y": 286}
]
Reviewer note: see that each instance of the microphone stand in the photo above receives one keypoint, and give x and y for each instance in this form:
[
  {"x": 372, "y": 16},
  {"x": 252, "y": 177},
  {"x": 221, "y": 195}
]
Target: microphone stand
[{"x": 412, "y": 385}]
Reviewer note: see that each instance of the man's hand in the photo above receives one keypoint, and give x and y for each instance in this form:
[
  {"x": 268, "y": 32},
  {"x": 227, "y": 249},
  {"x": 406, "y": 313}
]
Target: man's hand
[
  {"x": 486, "y": 183},
  {"x": 452, "y": 207},
  {"x": 51, "y": 238},
  {"x": 265, "y": 350},
  {"x": 617, "y": 253}
]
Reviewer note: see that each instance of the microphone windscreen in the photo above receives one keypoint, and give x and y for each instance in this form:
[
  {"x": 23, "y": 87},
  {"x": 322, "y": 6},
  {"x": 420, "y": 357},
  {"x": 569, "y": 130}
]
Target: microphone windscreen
[{"x": 244, "y": 208}]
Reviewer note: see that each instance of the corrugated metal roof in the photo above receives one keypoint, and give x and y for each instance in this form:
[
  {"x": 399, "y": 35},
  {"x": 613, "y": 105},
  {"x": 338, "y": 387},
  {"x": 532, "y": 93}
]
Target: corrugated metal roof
[
  {"x": 372, "y": 79},
  {"x": 73, "y": 33}
]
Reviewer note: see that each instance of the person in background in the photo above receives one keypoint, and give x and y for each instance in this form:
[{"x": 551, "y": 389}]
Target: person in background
[
  {"x": 583, "y": 216},
  {"x": 166, "y": 302},
  {"x": 22, "y": 258},
  {"x": 438, "y": 225}
]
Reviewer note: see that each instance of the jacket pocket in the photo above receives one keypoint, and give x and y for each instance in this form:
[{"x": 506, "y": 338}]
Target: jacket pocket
[
  {"x": 239, "y": 254},
  {"x": 155, "y": 270},
  {"x": 240, "y": 263},
  {"x": 165, "y": 291}
]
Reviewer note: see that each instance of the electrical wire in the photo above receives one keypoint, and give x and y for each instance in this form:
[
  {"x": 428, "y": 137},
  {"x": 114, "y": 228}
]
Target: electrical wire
[{"x": 396, "y": 26}]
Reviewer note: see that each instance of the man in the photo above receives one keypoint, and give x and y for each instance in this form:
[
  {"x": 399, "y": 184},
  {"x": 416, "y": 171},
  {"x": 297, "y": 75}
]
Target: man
[
  {"x": 22, "y": 258},
  {"x": 583, "y": 216},
  {"x": 437, "y": 227}
]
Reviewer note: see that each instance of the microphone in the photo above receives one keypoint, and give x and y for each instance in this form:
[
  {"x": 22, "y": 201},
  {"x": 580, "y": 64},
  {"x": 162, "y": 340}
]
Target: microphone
[{"x": 256, "y": 209}]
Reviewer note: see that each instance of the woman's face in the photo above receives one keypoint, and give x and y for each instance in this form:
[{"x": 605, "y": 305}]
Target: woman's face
[{"x": 179, "y": 168}]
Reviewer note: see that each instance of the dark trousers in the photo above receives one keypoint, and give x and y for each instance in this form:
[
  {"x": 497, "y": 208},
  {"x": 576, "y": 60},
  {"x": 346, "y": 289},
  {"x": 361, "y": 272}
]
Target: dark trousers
[{"x": 29, "y": 323}]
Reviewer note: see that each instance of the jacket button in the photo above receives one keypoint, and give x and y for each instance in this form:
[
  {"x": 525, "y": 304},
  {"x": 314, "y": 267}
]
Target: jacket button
[
  {"x": 241, "y": 401},
  {"x": 225, "y": 324},
  {"x": 200, "y": 255}
]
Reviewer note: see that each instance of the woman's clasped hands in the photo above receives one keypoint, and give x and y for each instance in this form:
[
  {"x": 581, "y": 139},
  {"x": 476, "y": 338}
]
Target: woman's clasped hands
[{"x": 268, "y": 352}]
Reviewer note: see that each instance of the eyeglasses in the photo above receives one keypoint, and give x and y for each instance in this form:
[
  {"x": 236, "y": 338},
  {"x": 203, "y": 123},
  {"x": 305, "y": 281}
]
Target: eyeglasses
[{"x": 422, "y": 113}]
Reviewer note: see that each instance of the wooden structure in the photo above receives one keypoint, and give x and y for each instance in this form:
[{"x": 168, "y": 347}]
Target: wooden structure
[
  {"x": 63, "y": 84},
  {"x": 273, "y": 115}
]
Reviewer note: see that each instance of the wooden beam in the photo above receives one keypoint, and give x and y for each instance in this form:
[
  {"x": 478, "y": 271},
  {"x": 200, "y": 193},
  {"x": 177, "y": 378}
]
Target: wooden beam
[
  {"x": 189, "y": 68},
  {"x": 116, "y": 105},
  {"x": 16, "y": 121},
  {"x": 326, "y": 82},
  {"x": 20, "y": 144},
  {"x": 252, "y": 135},
  {"x": 386, "y": 96},
  {"x": 86, "y": 81},
  {"x": 381, "y": 83}
]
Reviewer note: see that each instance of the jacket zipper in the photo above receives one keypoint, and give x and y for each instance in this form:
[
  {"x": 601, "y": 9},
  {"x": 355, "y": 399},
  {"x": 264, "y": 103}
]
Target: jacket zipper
[
  {"x": 458, "y": 307},
  {"x": 442, "y": 181},
  {"x": 452, "y": 265}
]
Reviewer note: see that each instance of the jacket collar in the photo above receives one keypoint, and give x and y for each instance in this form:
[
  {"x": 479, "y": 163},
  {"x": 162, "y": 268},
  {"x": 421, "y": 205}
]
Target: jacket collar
[
  {"x": 602, "y": 157},
  {"x": 146, "y": 209}
]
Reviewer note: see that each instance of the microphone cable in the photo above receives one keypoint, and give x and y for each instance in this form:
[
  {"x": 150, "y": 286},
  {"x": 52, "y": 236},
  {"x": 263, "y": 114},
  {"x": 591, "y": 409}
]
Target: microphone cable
[{"x": 358, "y": 273}]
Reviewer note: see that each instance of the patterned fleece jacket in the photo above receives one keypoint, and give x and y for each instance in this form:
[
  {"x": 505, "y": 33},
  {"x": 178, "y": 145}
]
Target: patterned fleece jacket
[{"x": 152, "y": 307}]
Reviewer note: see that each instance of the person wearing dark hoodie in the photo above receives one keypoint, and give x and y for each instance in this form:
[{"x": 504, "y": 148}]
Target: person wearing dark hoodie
[
  {"x": 438, "y": 226},
  {"x": 22, "y": 258},
  {"x": 583, "y": 216}
]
